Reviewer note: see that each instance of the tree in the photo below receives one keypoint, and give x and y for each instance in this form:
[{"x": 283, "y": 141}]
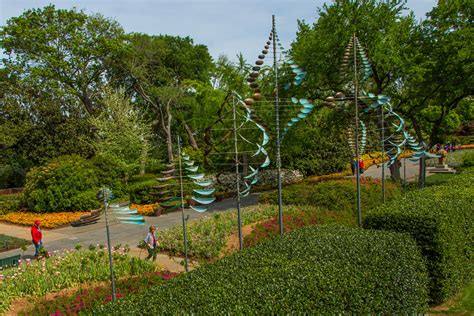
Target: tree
[
  {"x": 65, "y": 51},
  {"x": 154, "y": 71},
  {"x": 122, "y": 133},
  {"x": 439, "y": 77}
]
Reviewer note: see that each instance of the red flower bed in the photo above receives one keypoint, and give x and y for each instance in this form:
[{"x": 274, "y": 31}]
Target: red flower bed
[
  {"x": 84, "y": 299},
  {"x": 271, "y": 228}
]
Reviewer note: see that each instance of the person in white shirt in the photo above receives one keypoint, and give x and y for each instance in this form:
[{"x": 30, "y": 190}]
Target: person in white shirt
[{"x": 151, "y": 243}]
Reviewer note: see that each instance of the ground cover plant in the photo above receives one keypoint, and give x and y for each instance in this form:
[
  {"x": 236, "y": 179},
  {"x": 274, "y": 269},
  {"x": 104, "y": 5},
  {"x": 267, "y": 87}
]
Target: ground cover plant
[
  {"x": 85, "y": 299},
  {"x": 10, "y": 242},
  {"x": 441, "y": 220},
  {"x": 34, "y": 278},
  {"x": 328, "y": 269}
]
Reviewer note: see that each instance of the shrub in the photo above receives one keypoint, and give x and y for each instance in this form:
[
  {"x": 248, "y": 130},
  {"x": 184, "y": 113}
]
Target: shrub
[
  {"x": 10, "y": 203},
  {"x": 328, "y": 270},
  {"x": 336, "y": 195},
  {"x": 64, "y": 184},
  {"x": 140, "y": 188},
  {"x": 111, "y": 173},
  {"x": 441, "y": 220}
]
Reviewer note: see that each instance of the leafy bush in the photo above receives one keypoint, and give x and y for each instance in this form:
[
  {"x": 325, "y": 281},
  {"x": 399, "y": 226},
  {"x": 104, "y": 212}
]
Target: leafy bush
[
  {"x": 336, "y": 195},
  {"x": 64, "y": 184},
  {"x": 10, "y": 203},
  {"x": 441, "y": 220},
  {"x": 328, "y": 270},
  {"x": 111, "y": 173},
  {"x": 140, "y": 187}
]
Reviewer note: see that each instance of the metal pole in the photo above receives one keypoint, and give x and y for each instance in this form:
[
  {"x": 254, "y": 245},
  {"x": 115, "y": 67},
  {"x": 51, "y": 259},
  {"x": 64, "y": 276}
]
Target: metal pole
[
  {"x": 182, "y": 207},
  {"x": 237, "y": 176},
  {"x": 356, "y": 96},
  {"x": 383, "y": 154},
  {"x": 404, "y": 168},
  {"x": 277, "y": 118},
  {"x": 111, "y": 264}
]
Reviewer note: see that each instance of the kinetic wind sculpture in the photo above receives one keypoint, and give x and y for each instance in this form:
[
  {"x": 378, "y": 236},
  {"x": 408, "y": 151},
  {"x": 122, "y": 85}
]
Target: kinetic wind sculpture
[
  {"x": 249, "y": 140},
  {"x": 357, "y": 65},
  {"x": 283, "y": 63},
  {"x": 184, "y": 188}
]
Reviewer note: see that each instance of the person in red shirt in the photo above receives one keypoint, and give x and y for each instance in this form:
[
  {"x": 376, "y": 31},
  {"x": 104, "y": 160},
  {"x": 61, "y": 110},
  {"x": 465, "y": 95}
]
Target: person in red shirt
[
  {"x": 361, "y": 166},
  {"x": 37, "y": 236}
]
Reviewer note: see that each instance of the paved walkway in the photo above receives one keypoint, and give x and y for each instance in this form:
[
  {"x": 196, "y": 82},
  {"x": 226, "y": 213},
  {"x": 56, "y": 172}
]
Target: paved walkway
[
  {"x": 412, "y": 170},
  {"x": 68, "y": 237}
]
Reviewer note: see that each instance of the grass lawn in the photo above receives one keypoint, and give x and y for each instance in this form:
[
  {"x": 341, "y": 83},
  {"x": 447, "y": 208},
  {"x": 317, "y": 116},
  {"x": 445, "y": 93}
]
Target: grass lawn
[
  {"x": 439, "y": 178},
  {"x": 462, "y": 305},
  {"x": 9, "y": 242}
]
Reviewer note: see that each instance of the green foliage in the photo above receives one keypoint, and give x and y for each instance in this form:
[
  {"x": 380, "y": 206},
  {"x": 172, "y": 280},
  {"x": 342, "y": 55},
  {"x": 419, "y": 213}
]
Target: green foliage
[
  {"x": 331, "y": 270},
  {"x": 10, "y": 203},
  {"x": 441, "y": 220},
  {"x": 335, "y": 195},
  {"x": 140, "y": 187},
  {"x": 9, "y": 242},
  {"x": 68, "y": 270},
  {"x": 111, "y": 173},
  {"x": 68, "y": 183},
  {"x": 207, "y": 237},
  {"x": 123, "y": 134}
]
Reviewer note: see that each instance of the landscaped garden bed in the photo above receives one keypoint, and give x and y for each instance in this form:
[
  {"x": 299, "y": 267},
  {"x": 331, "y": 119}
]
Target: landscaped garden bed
[
  {"x": 70, "y": 269},
  {"x": 48, "y": 220},
  {"x": 9, "y": 242}
]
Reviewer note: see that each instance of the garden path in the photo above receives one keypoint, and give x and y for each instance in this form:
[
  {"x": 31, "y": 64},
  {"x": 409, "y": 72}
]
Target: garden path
[{"x": 68, "y": 237}]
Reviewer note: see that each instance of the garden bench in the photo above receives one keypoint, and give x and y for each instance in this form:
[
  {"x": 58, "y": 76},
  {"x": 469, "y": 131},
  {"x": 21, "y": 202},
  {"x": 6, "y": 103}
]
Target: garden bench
[{"x": 9, "y": 261}]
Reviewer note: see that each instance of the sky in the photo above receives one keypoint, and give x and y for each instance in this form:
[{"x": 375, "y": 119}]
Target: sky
[{"x": 225, "y": 26}]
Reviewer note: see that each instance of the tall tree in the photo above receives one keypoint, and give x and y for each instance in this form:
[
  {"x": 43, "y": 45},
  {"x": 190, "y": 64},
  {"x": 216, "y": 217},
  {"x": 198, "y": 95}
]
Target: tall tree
[{"x": 65, "y": 51}]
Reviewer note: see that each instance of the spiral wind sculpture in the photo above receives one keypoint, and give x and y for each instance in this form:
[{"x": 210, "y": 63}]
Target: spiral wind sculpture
[
  {"x": 286, "y": 74},
  {"x": 247, "y": 149},
  {"x": 356, "y": 70},
  {"x": 184, "y": 187}
]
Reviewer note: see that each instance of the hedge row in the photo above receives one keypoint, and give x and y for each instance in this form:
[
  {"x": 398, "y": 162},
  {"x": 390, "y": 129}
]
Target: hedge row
[
  {"x": 335, "y": 195},
  {"x": 441, "y": 220},
  {"x": 326, "y": 269}
]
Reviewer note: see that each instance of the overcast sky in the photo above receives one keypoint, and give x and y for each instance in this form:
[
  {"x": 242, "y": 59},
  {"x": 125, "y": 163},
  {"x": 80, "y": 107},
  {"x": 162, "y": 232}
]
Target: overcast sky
[{"x": 225, "y": 26}]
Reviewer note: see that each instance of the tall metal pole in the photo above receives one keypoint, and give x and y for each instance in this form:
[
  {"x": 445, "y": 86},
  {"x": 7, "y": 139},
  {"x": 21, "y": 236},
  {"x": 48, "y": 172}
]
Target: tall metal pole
[
  {"x": 404, "y": 168},
  {"x": 356, "y": 96},
  {"x": 111, "y": 264},
  {"x": 277, "y": 118},
  {"x": 182, "y": 206},
  {"x": 237, "y": 175},
  {"x": 383, "y": 154}
]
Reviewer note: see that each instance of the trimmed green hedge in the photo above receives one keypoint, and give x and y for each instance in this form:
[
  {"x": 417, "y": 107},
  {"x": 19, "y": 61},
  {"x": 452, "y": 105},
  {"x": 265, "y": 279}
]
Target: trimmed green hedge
[
  {"x": 140, "y": 187},
  {"x": 334, "y": 195},
  {"x": 327, "y": 269},
  {"x": 441, "y": 220}
]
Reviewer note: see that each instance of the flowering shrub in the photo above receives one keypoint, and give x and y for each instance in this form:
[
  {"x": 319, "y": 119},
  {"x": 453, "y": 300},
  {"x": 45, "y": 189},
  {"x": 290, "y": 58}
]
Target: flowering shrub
[
  {"x": 83, "y": 300},
  {"x": 34, "y": 278},
  {"x": 48, "y": 220},
  {"x": 146, "y": 209}
]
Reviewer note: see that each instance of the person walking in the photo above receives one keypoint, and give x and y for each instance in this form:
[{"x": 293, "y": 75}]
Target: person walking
[
  {"x": 353, "y": 166},
  {"x": 37, "y": 236},
  {"x": 151, "y": 243},
  {"x": 361, "y": 166}
]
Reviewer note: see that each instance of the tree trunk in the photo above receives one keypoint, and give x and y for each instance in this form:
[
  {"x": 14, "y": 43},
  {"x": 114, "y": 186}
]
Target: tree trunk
[
  {"x": 192, "y": 140},
  {"x": 395, "y": 171}
]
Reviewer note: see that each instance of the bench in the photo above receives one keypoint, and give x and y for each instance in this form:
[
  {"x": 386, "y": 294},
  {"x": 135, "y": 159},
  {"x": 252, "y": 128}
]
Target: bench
[{"x": 9, "y": 261}]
